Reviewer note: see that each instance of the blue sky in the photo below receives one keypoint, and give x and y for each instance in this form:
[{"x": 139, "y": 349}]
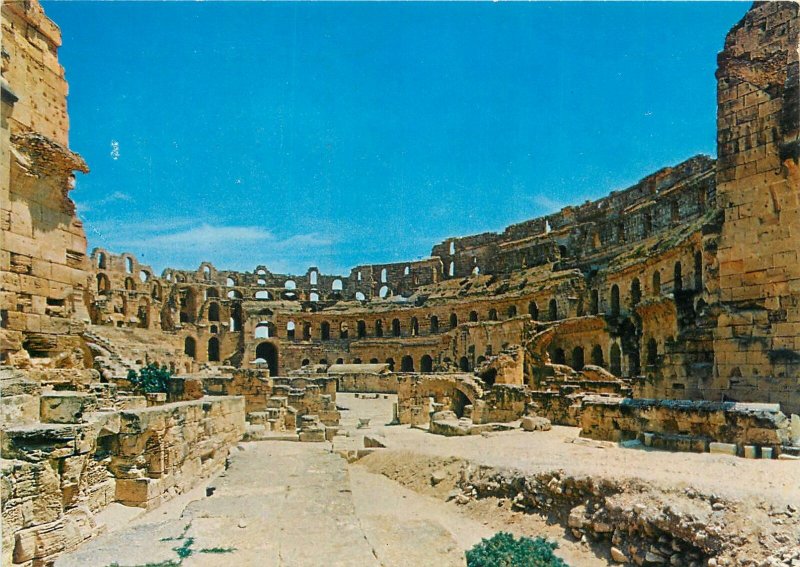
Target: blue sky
[{"x": 329, "y": 134}]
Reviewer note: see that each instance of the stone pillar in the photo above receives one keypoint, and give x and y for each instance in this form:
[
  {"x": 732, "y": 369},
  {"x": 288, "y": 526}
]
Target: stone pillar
[{"x": 757, "y": 341}]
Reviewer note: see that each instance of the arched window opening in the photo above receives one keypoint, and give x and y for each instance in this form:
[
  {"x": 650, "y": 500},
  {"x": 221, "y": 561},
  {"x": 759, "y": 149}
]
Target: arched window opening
[
  {"x": 103, "y": 284},
  {"x": 473, "y": 316},
  {"x": 652, "y": 352},
  {"x": 262, "y": 330},
  {"x": 306, "y": 331},
  {"x": 213, "y": 349},
  {"x": 128, "y": 265},
  {"x": 407, "y": 271},
  {"x": 577, "y": 358},
  {"x": 360, "y": 296},
  {"x": 356, "y": 361},
  {"x": 343, "y": 330},
  {"x": 261, "y": 281},
  {"x": 677, "y": 280},
  {"x": 143, "y": 276},
  {"x": 235, "y": 320},
  {"x": 206, "y": 273},
  {"x": 493, "y": 314},
  {"x": 305, "y": 362},
  {"x": 129, "y": 285},
  {"x": 378, "y": 328},
  {"x": 426, "y": 363},
  {"x": 463, "y": 364},
  {"x": 373, "y": 361},
  {"x": 361, "y": 329},
  {"x": 290, "y": 328},
  {"x": 476, "y": 271},
  {"x": 156, "y": 291},
  {"x": 390, "y": 362},
  {"x": 597, "y": 355},
  {"x": 212, "y": 292},
  {"x": 414, "y": 327},
  {"x": 552, "y": 310},
  {"x": 234, "y": 294},
  {"x": 451, "y": 270},
  {"x": 434, "y": 324},
  {"x": 290, "y": 285},
  {"x": 312, "y": 278},
  {"x": 406, "y": 364},
  {"x": 340, "y": 361},
  {"x": 325, "y": 331},
  {"x": 559, "y": 357},
  {"x": 337, "y": 285},
  {"x": 616, "y": 360},
  {"x": 230, "y": 282},
  {"x": 512, "y": 311},
  {"x": 359, "y": 277},
  {"x": 533, "y": 310},
  {"x": 269, "y": 354},
  {"x": 636, "y": 292},
  {"x": 313, "y": 297},
  {"x": 101, "y": 261},
  {"x": 656, "y": 283},
  {"x": 453, "y": 320},
  {"x": 384, "y": 276},
  {"x": 614, "y": 300},
  {"x": 698, "y": 271},
  {"x": 190, "y": 347},
  {"x": 262, "y": 294},
  {"x": 323, "y": 361},
  {"x": 395, "y": 327},
  {"x": 594, "y": 302},
  {"x": 383, "y": 292},
  {"x": 452, "y": 247},
  {"x": 213, "y": 329}
]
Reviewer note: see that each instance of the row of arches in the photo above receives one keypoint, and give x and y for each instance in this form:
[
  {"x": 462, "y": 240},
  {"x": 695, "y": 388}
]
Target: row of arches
[{"x": 578, "y": 357}]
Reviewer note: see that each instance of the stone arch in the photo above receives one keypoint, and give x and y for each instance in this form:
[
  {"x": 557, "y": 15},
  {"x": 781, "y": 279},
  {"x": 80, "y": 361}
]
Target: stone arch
[
  {"x": 103, "y": 284},
  {"x": 407, "y": 364},
  {"x": 512, "y": 311},
  {"x": 426, "y": 363},
  {"x": 533, "y": 310},
  {"x": 636, "y": 292},
  {"x": 268, "y": 352},
  {"x": 463, "y": 364},
  {"x": 396, "y": 330},
  {"x": 290, "y": 330},
  {"x": 577, "y": 358},
  {"x": 190, "y": 347},
  {"x": 652, "y": 352},
  {"x": 616, "y": 360},
  {"x": 414, "y": 327},
  {"x": 361, "y": 329},
  {"x": 378, "y": 328},
  {"x": 390, "y": 362},
  {"x": 434, "y": 324},
  {"x": 492, "y": 315},
  {"x": 597, "y": 355},
  {"x": 552, "y": 310},
  {"x": 677, "y": 280},
  {"x": 325, "y": 331},
  {"x": 657, "y": 283},
  {"x": 473, "y": 316},
  {"x": 614, "y": 300},
  {"x": 453, "y": 320},
  {"x": 213, "y": 349},
  {"x": 213, "y": 311}
]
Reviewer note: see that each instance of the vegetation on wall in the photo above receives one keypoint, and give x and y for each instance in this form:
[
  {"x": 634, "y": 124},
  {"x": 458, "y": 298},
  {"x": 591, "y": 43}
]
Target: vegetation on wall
[{"x": 503, "y": 550}]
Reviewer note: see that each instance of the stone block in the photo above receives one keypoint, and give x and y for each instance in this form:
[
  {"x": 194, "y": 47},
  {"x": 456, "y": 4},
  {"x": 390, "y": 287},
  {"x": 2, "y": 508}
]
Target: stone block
[
  {"x": 723, "y": 448},
  {"x": 66, "y": 407}
]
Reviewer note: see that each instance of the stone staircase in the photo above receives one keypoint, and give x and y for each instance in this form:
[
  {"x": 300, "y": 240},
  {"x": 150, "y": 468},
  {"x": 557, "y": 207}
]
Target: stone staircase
[{"x": 107, "y": 360}]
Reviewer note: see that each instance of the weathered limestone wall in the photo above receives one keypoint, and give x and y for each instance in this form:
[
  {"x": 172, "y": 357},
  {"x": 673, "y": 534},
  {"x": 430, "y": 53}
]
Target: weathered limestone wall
[
  {"x": 57, "y": 476},
  {"x": 685, "y": 425},
  {"x": 757, "y": 340},
  {"x": 43, "y": 249}
]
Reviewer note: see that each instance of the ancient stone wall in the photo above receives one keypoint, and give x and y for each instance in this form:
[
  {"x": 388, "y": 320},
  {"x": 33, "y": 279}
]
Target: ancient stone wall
[
  {"x": 757, "y": 339},
  {"x": 43, "y": 250}
]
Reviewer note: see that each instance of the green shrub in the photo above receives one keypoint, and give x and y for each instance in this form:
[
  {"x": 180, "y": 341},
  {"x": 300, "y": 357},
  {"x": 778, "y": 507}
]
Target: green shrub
[
  {"x": 502, "y": 550},
  {"x": 150, "y": 379}
]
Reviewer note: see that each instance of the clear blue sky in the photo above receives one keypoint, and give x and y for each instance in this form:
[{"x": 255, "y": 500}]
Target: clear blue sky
[{"x": 293, "y": 134}]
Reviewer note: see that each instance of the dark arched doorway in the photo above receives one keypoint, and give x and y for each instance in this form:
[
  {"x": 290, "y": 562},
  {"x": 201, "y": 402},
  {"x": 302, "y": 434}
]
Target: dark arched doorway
[{"x": 269, "y": 354}]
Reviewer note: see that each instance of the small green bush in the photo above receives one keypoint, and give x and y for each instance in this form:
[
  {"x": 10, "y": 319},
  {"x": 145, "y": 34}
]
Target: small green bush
[
  {"x": 502, "y": 550},
  {"x": 150, "y": 379}
]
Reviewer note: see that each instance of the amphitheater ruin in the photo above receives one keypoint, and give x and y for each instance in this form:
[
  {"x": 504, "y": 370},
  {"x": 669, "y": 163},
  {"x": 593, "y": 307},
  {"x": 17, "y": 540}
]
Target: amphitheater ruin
[{"x": 622, "y": 376}]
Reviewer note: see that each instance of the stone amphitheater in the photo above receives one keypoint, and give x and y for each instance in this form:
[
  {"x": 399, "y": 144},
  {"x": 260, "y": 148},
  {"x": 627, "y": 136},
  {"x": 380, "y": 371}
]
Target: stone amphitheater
[{"x": 621, "y": 377}]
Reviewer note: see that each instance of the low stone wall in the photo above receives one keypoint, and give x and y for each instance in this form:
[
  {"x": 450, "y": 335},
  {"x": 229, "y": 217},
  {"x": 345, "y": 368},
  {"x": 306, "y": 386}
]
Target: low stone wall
[
  {"x": 56, "y": 476},
  {"x": 500, "y": 404},
  {"x": 684, "y": 424},
  {"x": 370, "y": 383}
]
